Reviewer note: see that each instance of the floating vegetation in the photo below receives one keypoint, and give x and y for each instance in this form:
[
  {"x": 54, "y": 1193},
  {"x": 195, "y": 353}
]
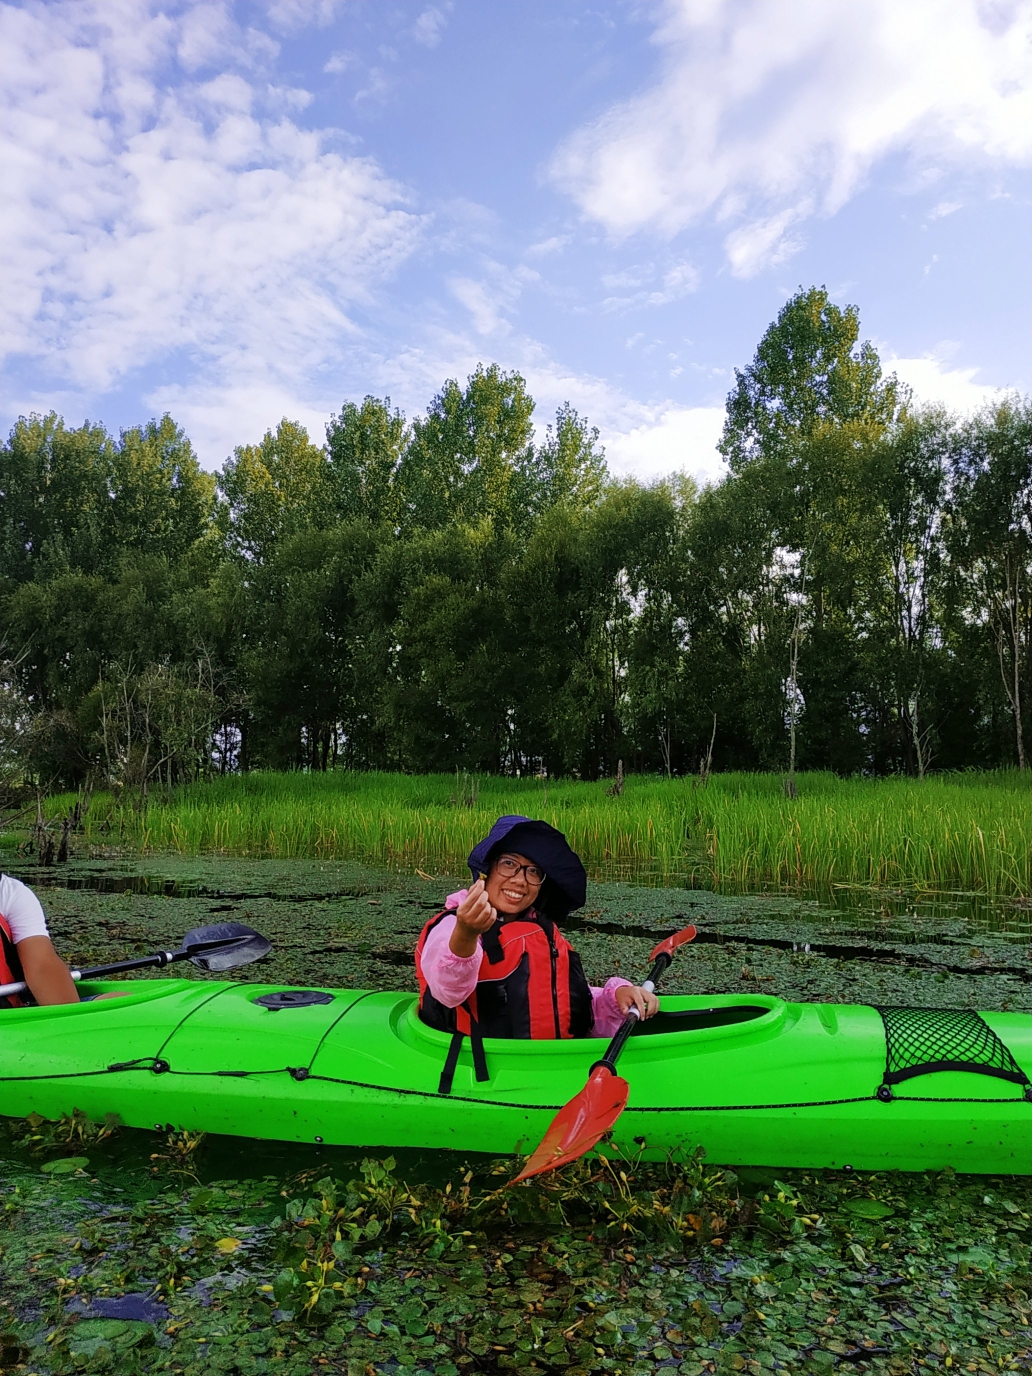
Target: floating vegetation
[{"x": 612, "y": 1266}]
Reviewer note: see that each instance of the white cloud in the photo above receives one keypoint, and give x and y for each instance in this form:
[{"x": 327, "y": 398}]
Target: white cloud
[
  {"x": 641, "y": 440},
  {"x": 219, "y": 418},
  {"x": 673, "y": 438},
  {"x": 680, "y": 280},
  {"x": 764, "y": 243},
  {"x": 481, "y": 303},
  {"x": 430, "y": 25},
  {"x": 548, "y": 246},
  {"x": 492, "y": 297},
  {"x": 289, "y": 15},
  {"x": 640, "y": 284},
  {"x": 339, "y": 62},
  {"x": 767, "y": 112},
  {"x": 944, "y": 208},
  {"x": 193, "y": 224},
  {"x": 931, "y": 381}
]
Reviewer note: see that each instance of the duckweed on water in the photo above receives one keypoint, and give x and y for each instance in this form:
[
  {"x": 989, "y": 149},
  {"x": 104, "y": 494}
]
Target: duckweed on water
[{"x": 611, "y": 1267}]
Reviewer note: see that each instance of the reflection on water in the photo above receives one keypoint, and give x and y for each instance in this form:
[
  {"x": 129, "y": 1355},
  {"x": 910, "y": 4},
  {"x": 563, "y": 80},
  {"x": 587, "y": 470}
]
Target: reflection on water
[
  {"x": 901, "y": 915},
  {"x": 893, "y": 914},
  {"x": 125, "y": 1162}
]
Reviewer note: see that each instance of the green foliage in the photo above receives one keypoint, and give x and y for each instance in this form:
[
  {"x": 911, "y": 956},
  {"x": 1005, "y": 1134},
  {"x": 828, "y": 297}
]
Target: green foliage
[
  {"x": 42, "y": 1135},
  {"x": 274, "y": 490},
  {"x": 455, "y": 592},
  {"x": 472, "y": 456},
  {"x": 968, "y": 831},
  {"x": 807, "y": 374},
  {"x": 286, "y": 1275},
  {"x": 364, "y": 448}
]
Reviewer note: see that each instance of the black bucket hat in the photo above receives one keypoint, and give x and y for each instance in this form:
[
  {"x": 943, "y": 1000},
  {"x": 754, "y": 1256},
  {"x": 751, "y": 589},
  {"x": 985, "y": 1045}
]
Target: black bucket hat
[{"x": 566, "y": 886}]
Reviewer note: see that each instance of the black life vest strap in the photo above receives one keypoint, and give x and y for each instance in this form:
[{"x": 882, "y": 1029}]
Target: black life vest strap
[
  {"x": 450, "y": 1062},
  {"x": 476, "y": 1042},
  {"x": 492, "y": 943}
]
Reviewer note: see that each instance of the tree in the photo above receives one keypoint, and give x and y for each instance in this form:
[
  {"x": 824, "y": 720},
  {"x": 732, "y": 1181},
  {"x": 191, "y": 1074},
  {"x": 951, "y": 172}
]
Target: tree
[
  {"x": 914, "y": 494},
  {"x": 161, "y": 501},
  {"x": 807, "y": 372},
  {"x": 275, "y": 489},
  {"x": 299, "y": 666},
  {"x": 54, "y": 496},
  {"x": 992, "y": 538},
  {"x": 472, "y": 456},
  {"x": 570, "y": 466},
  {"x": 441, "y": 663},
  {"x": 364, "y": 446},
  {"x": 802, "y": 422}
]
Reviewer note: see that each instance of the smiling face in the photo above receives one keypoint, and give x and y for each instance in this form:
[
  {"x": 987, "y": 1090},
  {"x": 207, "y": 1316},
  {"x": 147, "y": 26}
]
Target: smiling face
[{"x": 511, "y": 894}]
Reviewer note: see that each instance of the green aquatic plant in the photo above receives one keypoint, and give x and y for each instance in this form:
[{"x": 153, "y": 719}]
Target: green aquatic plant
[
  {"x": 289, "y": 1275},
  {"x": 970, "y": 832},
  {"x": 605, "y": 1199},
  {"x": 47, "y": 1135}
]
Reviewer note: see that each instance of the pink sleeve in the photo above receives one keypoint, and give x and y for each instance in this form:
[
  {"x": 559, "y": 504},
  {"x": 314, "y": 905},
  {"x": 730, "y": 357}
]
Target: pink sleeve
[
  {"x": 604, "y": 1008},
  {"x": 451, "y": 978}
]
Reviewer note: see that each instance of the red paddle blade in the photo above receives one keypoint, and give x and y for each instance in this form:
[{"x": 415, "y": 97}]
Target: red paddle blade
[
  {"x": 579, "y": 1124},
  {"x": 670, "y": 945}
]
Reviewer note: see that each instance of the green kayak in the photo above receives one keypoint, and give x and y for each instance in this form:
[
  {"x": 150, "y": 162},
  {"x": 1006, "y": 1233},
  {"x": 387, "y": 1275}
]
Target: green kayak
[{"x": 755, "y": 1080}]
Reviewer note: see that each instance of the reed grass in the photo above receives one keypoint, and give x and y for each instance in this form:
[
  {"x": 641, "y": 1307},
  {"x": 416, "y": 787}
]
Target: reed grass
[{"x": 960, "y": 832}]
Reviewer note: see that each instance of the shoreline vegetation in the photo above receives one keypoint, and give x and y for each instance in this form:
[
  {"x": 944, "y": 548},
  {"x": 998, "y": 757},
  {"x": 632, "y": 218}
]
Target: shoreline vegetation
[{"x": 967, "y": 832}]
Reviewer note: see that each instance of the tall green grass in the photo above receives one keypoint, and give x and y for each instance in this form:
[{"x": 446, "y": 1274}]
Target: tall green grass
[{"x": 969, "y": 832}]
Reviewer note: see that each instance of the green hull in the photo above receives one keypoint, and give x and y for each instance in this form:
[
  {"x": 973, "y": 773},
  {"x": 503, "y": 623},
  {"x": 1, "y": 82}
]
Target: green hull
[{"x": 795, "y": 1085}]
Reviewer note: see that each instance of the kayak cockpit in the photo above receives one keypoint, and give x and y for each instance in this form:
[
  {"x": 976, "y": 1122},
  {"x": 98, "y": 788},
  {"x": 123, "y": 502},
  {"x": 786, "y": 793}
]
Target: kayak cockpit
[
  {"x": 698, "y": 1019},
  {"x": 686, "y": 1019}
]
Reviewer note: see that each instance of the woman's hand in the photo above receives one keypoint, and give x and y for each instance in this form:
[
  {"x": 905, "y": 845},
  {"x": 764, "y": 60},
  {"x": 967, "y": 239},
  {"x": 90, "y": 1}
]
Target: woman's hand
[
  {"x": 630, "y": 996},
  {"x": 473, "y": 916}
]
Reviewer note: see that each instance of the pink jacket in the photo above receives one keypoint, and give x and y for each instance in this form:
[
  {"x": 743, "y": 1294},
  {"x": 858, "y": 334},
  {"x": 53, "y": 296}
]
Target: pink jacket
[{"x": 453, "y": 978}]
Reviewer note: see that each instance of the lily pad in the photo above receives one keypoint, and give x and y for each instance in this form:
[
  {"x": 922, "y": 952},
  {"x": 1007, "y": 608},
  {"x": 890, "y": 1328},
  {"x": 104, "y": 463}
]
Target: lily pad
[
  {"x": 91, "y": 1337},
  {"x": 869, "y": 1208},
  {"x": 67, "y": 1165}
]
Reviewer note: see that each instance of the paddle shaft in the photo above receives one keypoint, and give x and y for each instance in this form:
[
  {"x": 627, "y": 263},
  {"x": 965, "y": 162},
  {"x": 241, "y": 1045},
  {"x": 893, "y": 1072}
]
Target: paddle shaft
[
  {"x": 159, "y": 959},
  {"x": 629, "y": 1023}
]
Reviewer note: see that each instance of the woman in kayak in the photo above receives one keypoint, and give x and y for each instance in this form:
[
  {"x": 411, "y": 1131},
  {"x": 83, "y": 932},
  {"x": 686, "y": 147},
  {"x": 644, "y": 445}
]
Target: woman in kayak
[
  {"x": 494, "y": 963},
  {"x": 26, "y": 951}
]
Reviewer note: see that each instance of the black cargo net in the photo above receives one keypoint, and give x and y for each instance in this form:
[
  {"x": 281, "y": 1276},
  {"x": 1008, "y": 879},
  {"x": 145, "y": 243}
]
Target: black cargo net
[{"x": 919, "y": 1041}]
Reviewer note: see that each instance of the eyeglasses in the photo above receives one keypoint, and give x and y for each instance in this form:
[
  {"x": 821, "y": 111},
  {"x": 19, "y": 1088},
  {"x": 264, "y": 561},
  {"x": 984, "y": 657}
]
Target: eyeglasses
[{"x": 509, "y": 869}]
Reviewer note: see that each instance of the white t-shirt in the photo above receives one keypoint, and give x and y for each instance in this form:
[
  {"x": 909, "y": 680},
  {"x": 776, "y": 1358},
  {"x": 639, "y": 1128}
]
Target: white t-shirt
[{"x": 22, "y": 909}]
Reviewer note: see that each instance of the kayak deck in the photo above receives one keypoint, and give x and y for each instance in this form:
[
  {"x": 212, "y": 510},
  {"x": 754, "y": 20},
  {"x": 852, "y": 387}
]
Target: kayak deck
[{"x": 753, "y": 1079}]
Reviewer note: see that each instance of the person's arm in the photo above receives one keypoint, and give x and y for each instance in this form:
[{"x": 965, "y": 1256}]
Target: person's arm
[
  {"x": 611, "y": 1003},
  {"x": 46, "y": 974},
  {"x": 450, "y": 978}
]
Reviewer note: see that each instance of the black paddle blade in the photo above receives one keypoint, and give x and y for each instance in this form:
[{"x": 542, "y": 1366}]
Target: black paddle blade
[{"x": 224, "y": 946}]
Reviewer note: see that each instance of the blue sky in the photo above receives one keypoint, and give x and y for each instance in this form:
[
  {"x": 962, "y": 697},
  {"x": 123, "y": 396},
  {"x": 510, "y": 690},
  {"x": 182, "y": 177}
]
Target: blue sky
[{"x": 237, "y": 212}]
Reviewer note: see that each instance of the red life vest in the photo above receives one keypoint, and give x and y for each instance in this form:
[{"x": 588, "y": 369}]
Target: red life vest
[
  {"x": 532, "y": 984},
  {"x": 10, "y": 966}
]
